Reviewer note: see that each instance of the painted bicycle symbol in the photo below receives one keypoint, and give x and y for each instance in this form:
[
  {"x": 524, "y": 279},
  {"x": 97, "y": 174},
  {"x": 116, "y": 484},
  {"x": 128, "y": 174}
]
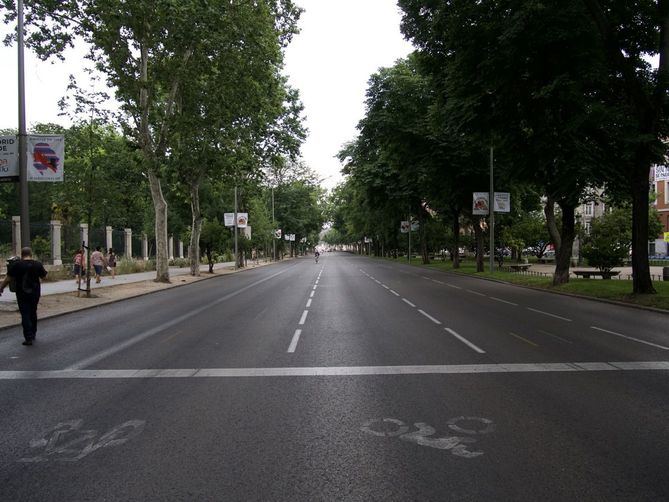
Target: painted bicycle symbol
[
  {"x": 457, "y": 444},
  {"x": 68, "y": 442}
]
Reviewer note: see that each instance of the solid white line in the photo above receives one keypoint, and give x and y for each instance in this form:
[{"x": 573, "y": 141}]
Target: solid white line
[
  {"x": 548, "y": 314},
  {"x": 630, "y": 338},
  {"x": 394, "y": 292},
  {"x": 312, "y": 294},
  {"x": 293, "y": 342},
  {"x": 304, "y": 317},
  {"x": 385, "y": 286},
  {"x": 453, "y": 286},
  {"x": 436, "y": 321},
  {"x": 315, "y": 286},
  {"x": 408, "y": 302},
  {"x": 162, "y": 327},
  {"x": 503, "y": 301},
  {"x": 438, "y": 282},
  {"x": 465, "y": 341},
  {"x": 428, "y": 278},
  {"x": 475, "y": 292},
  {"x": 309, "y": 303},
  {"x": 320, "y": 371},
  {"x": 377, "y": 281}
]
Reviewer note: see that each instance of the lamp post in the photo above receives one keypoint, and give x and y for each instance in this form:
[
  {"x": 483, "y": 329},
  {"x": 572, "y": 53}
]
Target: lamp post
[
  {"x": 23, "y": 161},
  {"x": 491, "y": 206}
]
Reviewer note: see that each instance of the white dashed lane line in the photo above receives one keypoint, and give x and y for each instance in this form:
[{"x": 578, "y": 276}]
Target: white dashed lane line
[
  {"x": 436, "y": 321},
  {"x": 312, "y": 294},
  {"x": 408, "y": 302},
  {"x": 465, "y": 341},
  {"x": 293, "y": 342},
  {"x": 630, "y": 338},
  {"x": 475, "y": 292},
  {"x": 303, "y": 319},
  {"x": 503, "y": 301},
  {"x": 453, "y": 286},
  {"x": 548, "y": 314},
  {"x": 309, "y": 303},
  {"x": 394, "y": 292}
]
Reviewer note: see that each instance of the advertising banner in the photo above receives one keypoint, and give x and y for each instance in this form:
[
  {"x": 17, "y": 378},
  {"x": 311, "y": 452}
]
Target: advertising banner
[
  {"x": 229, "y": 219},
  {"x": 287, "y": 237},
  {"x": 404, "y": 227},
  {"x": 9, "y": 160},
  {"x": 242, "y": 220},
  {"x": 45, "y": 157},
  {"x": 481, "y": 203},
  {"x": 502, "y": 202},
  {"x": 277, "y": 233},
  {"x": 415, "y": 225},
  {"x": 292, "y": 237}
]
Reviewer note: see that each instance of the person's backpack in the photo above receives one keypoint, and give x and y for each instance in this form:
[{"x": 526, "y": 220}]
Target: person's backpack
[{"x": 10, "y": 265}]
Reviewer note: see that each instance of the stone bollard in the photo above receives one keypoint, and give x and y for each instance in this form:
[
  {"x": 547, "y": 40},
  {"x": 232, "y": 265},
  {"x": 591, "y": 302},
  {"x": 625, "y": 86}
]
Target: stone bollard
[
  {"x": 16, "y": 235},
  {"x": 56, "y": 242},
  {"x": 128, "y": 243},
  {"x": 145, "y": 247}
]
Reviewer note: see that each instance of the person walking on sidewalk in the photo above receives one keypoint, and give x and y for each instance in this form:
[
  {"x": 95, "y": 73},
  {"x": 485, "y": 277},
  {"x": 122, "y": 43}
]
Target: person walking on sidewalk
[
  {"x": 111, "y": 262},
  {"x": 79, "y": 265},
  {"x": 27, "y": 274},
  {"x": 98, "y": 261}
]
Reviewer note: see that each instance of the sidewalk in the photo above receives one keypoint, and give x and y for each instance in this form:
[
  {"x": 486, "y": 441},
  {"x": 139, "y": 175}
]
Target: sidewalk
[
  {"x": 70, "y": 286},
  {"x": 625, "y": 272}
]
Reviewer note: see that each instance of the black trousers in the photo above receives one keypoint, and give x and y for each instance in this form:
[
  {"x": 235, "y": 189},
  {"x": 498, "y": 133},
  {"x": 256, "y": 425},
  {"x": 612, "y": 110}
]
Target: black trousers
[{"x": 28, "y": 309}]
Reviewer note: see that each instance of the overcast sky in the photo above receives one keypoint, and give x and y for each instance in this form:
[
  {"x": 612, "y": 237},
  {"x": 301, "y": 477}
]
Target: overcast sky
[{"x": 342, "y": 42}]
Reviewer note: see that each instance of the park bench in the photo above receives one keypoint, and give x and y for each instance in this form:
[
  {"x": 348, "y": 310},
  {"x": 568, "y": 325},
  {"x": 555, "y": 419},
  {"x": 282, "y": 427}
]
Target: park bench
[
  {"x": 587, "y": 274},
  {"x": 519, "y": 267}
]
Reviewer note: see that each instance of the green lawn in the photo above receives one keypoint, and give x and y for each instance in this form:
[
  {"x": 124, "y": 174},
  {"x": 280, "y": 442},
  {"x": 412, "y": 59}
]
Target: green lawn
[{"x": 619, "y": 290}]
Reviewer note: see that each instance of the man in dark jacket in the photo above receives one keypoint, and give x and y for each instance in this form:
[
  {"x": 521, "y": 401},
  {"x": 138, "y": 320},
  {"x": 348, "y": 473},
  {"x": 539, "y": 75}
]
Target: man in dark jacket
[{"x": 27, "y": 274}]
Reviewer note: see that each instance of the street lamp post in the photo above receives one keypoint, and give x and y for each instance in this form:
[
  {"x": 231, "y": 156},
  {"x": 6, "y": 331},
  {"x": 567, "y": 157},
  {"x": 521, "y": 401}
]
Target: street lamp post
[
  {"x": 491, "y": 208},
  {"x": 23, "y": 161}
]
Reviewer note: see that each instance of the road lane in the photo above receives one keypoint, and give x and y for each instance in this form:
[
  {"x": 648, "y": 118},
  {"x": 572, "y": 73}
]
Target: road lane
[{"x": 236, "y": 418}]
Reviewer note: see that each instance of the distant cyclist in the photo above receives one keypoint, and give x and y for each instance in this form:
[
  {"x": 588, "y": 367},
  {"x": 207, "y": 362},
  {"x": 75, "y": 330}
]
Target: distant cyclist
[{"x": 317, "y": 255}]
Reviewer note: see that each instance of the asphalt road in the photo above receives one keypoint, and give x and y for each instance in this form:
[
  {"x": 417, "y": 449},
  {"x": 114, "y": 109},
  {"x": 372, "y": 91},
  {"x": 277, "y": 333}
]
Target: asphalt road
[{"x": 350, "y": 379}]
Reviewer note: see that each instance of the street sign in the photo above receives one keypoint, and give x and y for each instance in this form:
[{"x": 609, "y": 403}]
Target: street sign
[
  {"x": 292, "y": 237},
  {"x": 9, "y": 160}
]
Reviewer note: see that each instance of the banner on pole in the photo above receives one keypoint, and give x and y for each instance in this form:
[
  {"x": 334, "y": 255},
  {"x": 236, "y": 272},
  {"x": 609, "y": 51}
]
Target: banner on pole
[
  {"x": 292, "y": 237},
  {"x": 415, "y": 225},
  {"x": 481, "y": 204},
  {"x": 368, "y": 240},
  {"x": 45, "y": 157},
  {"x": 404, "y": 227},
  {"x": 502, "y": 202},
  {"x": 9, "y": 160},
  {"x": 287, "y": 237},
  {"x": 242, "y": 220},
  {"x": 229, "y": 219},
  {"x": 277, "y": 233}
]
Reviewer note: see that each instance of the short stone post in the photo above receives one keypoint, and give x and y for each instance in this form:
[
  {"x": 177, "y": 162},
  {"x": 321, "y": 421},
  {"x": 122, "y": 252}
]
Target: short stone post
[
  {"x": 170, "y": 247},
  {"x": 109, "y": 241},
  {"x": 181, "y": 249},
  {"x": 145, "y": 247},
  {"x": 55, "y": 242},
  {"x": 128, "y": 243},
  {"x": 16, "y": 235},
  {"x": 83, "y": 234}
]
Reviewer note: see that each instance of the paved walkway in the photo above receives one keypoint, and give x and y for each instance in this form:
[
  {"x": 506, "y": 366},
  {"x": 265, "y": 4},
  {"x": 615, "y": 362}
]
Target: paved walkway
[
  {"x": 70, "y": 286},
  {"x": 625, "y": 272}
]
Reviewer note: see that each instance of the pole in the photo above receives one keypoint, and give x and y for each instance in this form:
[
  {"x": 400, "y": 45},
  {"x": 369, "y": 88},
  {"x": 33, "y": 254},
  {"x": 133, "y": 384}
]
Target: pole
[
  {"x": 235, "y": 227},
  {"x": 409, "y": 255},
  {"x": 491, "y": 205},
  {"x": 23, "y": 161},
  {"x": 274, "y": 228}
]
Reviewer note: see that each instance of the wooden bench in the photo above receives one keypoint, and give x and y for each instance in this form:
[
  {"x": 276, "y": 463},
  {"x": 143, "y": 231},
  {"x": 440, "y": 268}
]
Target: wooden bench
[
  {"x": 587, "y": 274},
  {"x": 517, "y": 267}
]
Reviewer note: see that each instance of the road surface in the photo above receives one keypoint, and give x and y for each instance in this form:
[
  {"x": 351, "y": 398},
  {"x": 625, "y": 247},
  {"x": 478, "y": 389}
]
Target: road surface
[{"x": 350, "y": 379}]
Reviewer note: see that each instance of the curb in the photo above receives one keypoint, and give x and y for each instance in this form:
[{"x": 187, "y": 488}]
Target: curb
[{"x": 117, "y": 300}]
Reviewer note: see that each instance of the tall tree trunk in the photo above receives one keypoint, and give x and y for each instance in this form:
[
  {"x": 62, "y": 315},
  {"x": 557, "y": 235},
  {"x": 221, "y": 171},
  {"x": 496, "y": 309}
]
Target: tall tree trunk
[
  {"x": 641, "y": 281},
  {"x": 478, "y": 232},
  {"x": 160, "y": 209},
  {"x": 549, "y": 211},
  {"x": 455, "y": 252},
  {"x": 567, "y": 235},
  {"x": 196, "y": 229}
]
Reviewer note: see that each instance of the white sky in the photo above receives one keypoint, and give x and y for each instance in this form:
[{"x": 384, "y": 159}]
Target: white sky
[{"x": 342, "y": 42}]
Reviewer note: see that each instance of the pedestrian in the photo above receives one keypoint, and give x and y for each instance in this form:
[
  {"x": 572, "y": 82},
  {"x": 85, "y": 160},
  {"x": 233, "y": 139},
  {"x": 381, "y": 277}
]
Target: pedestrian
[
  {"x": 98, "y": 261},
  {"x": 78, "y": 265},
  {"x": 27, "y": 274},
  {"x": 111, "y": 262}
]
